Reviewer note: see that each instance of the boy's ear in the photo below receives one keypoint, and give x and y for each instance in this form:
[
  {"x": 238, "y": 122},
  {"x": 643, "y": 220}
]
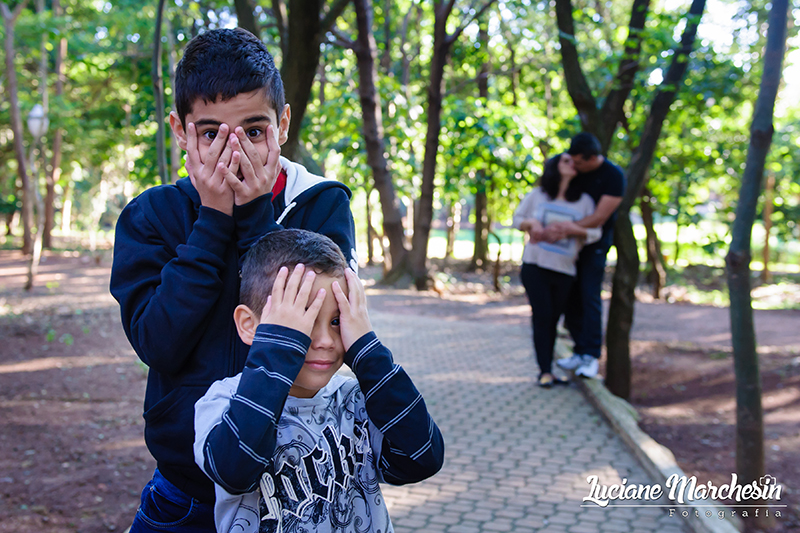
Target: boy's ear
[
  {"x": 246, "y": 323},
  {"x": 177, "y": 129},
  {"x": 283, "y": 124}
]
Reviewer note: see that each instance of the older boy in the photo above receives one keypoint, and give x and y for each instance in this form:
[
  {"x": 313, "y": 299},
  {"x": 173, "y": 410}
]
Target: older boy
[
  {"x": 290, "y": 445},
  {"x": 178, "y": 250}
]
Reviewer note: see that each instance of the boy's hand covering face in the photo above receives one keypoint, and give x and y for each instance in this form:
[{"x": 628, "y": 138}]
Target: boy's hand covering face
[
  {"x": 353, "y": 317},
  {"x": 211, "y": 177},
  {"x": 286, "y": 306},
  {"x": 257, "y": 176}
]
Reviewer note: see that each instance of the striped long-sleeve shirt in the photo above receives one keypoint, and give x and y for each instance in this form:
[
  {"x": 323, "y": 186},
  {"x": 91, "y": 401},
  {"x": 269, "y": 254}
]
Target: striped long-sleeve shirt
[{"x": 287, "y": 463}]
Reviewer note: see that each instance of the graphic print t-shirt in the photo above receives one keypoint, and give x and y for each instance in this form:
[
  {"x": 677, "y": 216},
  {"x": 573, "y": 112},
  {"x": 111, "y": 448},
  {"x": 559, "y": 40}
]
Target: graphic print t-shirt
[{"x": 322, "y": 476}]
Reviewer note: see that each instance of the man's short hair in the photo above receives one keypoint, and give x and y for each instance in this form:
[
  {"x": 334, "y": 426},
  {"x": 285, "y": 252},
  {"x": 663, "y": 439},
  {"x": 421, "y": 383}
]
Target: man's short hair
[
  {"x": 289, "y": 248},
  {"x": 586, "y": 145},
  {"x": 224, "y": 63}
]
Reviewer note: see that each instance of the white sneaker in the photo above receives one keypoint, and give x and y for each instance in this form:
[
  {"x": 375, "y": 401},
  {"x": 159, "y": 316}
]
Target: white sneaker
[
  {"x": 570, "y": 363},
  {"x": 589, "y": 367}
]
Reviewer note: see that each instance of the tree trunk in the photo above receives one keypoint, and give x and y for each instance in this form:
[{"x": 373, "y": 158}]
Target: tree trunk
[
  {"x": 626, "y": 273},
  {"x": 657, "y": 275},
  {"x": 158, "y": 88},
  {"x": 749, "y": 411},
  {"x": 9, "y": 21},
  {"x": 53, "y": 175},
  {"x": 678, "y": 196},
  {"x": 366, "y": 52},
  {"x": 175, "y": 156},
  {"x": 769, "y": 206},
  {"x": 246, "y": 16},
  {"x": 480, "y": 253},
  {"x": 424, "y": 212},
  {"x": 602, "y": 122},
  {"x": 442, "y": 44},
  {"x": 453, "y": 227},
  {"x": 305, "y": 29}
]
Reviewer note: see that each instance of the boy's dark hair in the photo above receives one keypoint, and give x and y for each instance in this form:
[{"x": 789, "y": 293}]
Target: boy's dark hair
[
  {"x": 224, "y": 63},
  {"x": 289, "y": 248},
  {"x": 550, "y": 182},
  {"x": 585, "y": 144}
]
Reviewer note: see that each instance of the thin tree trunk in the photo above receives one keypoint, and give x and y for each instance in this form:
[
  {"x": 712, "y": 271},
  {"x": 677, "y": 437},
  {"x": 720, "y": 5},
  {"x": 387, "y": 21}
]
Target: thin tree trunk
[
  {"x": 246, "y": 16},
  {"x": 769, "y": 206},
  {"x": 158, "y": 88},
  {"x": 366, "y": 52},
  {"x": 9, "y": 21},
  {"x": 480, "y": 252},
  {"x": 657, "y": 275},
  {"x": 38, "y": 146},
  {"x": 749, "y": 410},
  {"x": 305, "y": 28},
  {"x": 626, "y": 273},
  {"x": 66, "y": 208},
  {"x": 442, "y": 44},
  {"x": 53, "y": 175},
  {"x": 602, "y": 122},
  {"x": 453, "y": 227},
  {"x": 175, "y": 156}
]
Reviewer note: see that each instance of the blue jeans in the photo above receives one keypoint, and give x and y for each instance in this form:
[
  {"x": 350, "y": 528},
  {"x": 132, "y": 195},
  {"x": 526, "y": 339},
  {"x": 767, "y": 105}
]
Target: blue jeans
[
  {"x": 583, "y": 316},
  {"x": 167, "y": 508}
]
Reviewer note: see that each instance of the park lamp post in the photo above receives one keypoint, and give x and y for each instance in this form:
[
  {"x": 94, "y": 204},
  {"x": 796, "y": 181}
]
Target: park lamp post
[{"x": 37, "y": 122}]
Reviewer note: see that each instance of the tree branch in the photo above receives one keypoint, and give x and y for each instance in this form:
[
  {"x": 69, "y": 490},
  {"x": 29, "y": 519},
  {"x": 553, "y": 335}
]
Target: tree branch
[
  {"x": 612, "y": 110},
  {"x": 456, "y": 34},
  {"x": 341, "y": 39},
  {"x": 577, "y": 86},
  {"x": 337, "y": 8}
]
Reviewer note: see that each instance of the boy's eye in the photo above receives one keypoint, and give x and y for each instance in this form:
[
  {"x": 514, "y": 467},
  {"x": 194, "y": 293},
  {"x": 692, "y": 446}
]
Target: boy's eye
[
  {"x": 335, "y": 321},
  {"x": 254, "y": 133},
  {"x": 210, "y": 134}
]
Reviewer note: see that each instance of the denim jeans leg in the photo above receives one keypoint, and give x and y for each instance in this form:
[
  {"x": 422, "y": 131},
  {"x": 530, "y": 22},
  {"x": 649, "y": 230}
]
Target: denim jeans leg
[{"x": 166, "y": 508}]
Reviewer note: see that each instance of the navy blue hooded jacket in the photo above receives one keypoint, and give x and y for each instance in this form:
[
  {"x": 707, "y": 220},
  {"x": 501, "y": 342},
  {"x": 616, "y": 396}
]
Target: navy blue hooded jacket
[{"x": 176, "y": 277}]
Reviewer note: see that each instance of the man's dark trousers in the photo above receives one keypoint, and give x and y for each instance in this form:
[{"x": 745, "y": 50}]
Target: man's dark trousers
[{"x": 584, "y": 314}]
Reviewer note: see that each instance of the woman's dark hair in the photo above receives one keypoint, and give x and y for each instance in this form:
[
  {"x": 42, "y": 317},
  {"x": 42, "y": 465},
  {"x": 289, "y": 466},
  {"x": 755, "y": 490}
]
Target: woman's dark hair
[
  {"x": 288, "y": 247},
  {"x": 550, "y": 182},
  {"x": 223, "y": 63}
]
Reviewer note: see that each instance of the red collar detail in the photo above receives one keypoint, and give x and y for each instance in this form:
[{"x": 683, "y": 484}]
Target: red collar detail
[{"x": 280, "y": 183}]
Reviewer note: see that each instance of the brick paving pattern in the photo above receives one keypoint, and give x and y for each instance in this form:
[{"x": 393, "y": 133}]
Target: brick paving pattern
[{"x": 517, "y": 456}]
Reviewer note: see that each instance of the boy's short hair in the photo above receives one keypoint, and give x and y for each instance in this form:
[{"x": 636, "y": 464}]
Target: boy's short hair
[
  {"x": 585, "y": 144},
  {"x": 288, "y": 247},
  {"x": 224, "y": 63}
]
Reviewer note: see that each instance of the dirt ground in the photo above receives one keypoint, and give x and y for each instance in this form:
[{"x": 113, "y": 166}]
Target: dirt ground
[{"x": 72, "y": 456}]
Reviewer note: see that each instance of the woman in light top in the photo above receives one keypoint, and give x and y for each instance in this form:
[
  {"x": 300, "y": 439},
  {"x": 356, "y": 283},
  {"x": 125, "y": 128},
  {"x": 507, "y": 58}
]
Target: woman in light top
[{"x": 548, "y": 268}]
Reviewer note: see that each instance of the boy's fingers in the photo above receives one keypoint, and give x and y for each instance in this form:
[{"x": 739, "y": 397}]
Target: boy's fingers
[
  {"x": 246, "y": 164},
  {"x": 313, "y": 310},
  {"x": 225, "y": 156},
  {"x": 267, "y": 308},
  {"x": 249, "y": 150},
  {"x": 192, "y": 154},
  {"x": 293, "y": 284},
  {"x": 305, "y": 287},
  {"x": 273, "y": 162},
  {"x": 341, "y": 298},
  {"x": 218, "y": 145},
  {"x": 357, "y": 293},
  {"x": 278, "y": 288}
]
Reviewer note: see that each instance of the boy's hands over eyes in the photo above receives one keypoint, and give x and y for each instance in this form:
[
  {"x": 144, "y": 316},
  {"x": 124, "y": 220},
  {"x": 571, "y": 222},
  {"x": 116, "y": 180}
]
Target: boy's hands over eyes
[
  {"x": 287, "y": 304},
  {"x": 353, "y": 317},
  {"x": 210, "y": 177},
  {"x": 258, "y": 176}
]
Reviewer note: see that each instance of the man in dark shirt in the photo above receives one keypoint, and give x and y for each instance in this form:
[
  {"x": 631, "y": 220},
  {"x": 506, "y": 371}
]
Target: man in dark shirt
[{"x": 605, "y": 183}]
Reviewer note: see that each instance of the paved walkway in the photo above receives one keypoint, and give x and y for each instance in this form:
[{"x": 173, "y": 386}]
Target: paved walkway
[{"x": 517, "y": 456}]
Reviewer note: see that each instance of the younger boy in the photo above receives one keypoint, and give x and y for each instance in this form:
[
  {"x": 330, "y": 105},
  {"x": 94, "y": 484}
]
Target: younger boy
[
  {"x": 290, "y": 445},
  {"x": 178, "y": 250}
]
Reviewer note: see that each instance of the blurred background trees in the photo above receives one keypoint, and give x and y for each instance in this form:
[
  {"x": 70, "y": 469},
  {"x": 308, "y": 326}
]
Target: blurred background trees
[{"x": 513, "y": 86}]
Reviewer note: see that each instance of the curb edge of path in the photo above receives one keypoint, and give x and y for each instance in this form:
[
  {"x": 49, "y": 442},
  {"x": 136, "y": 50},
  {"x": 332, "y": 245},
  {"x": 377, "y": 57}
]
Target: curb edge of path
[{"x": 657, "y": 460}]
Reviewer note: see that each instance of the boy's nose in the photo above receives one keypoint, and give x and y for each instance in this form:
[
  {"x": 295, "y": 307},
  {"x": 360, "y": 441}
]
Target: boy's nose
[{"x": 322, "y": 338}]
